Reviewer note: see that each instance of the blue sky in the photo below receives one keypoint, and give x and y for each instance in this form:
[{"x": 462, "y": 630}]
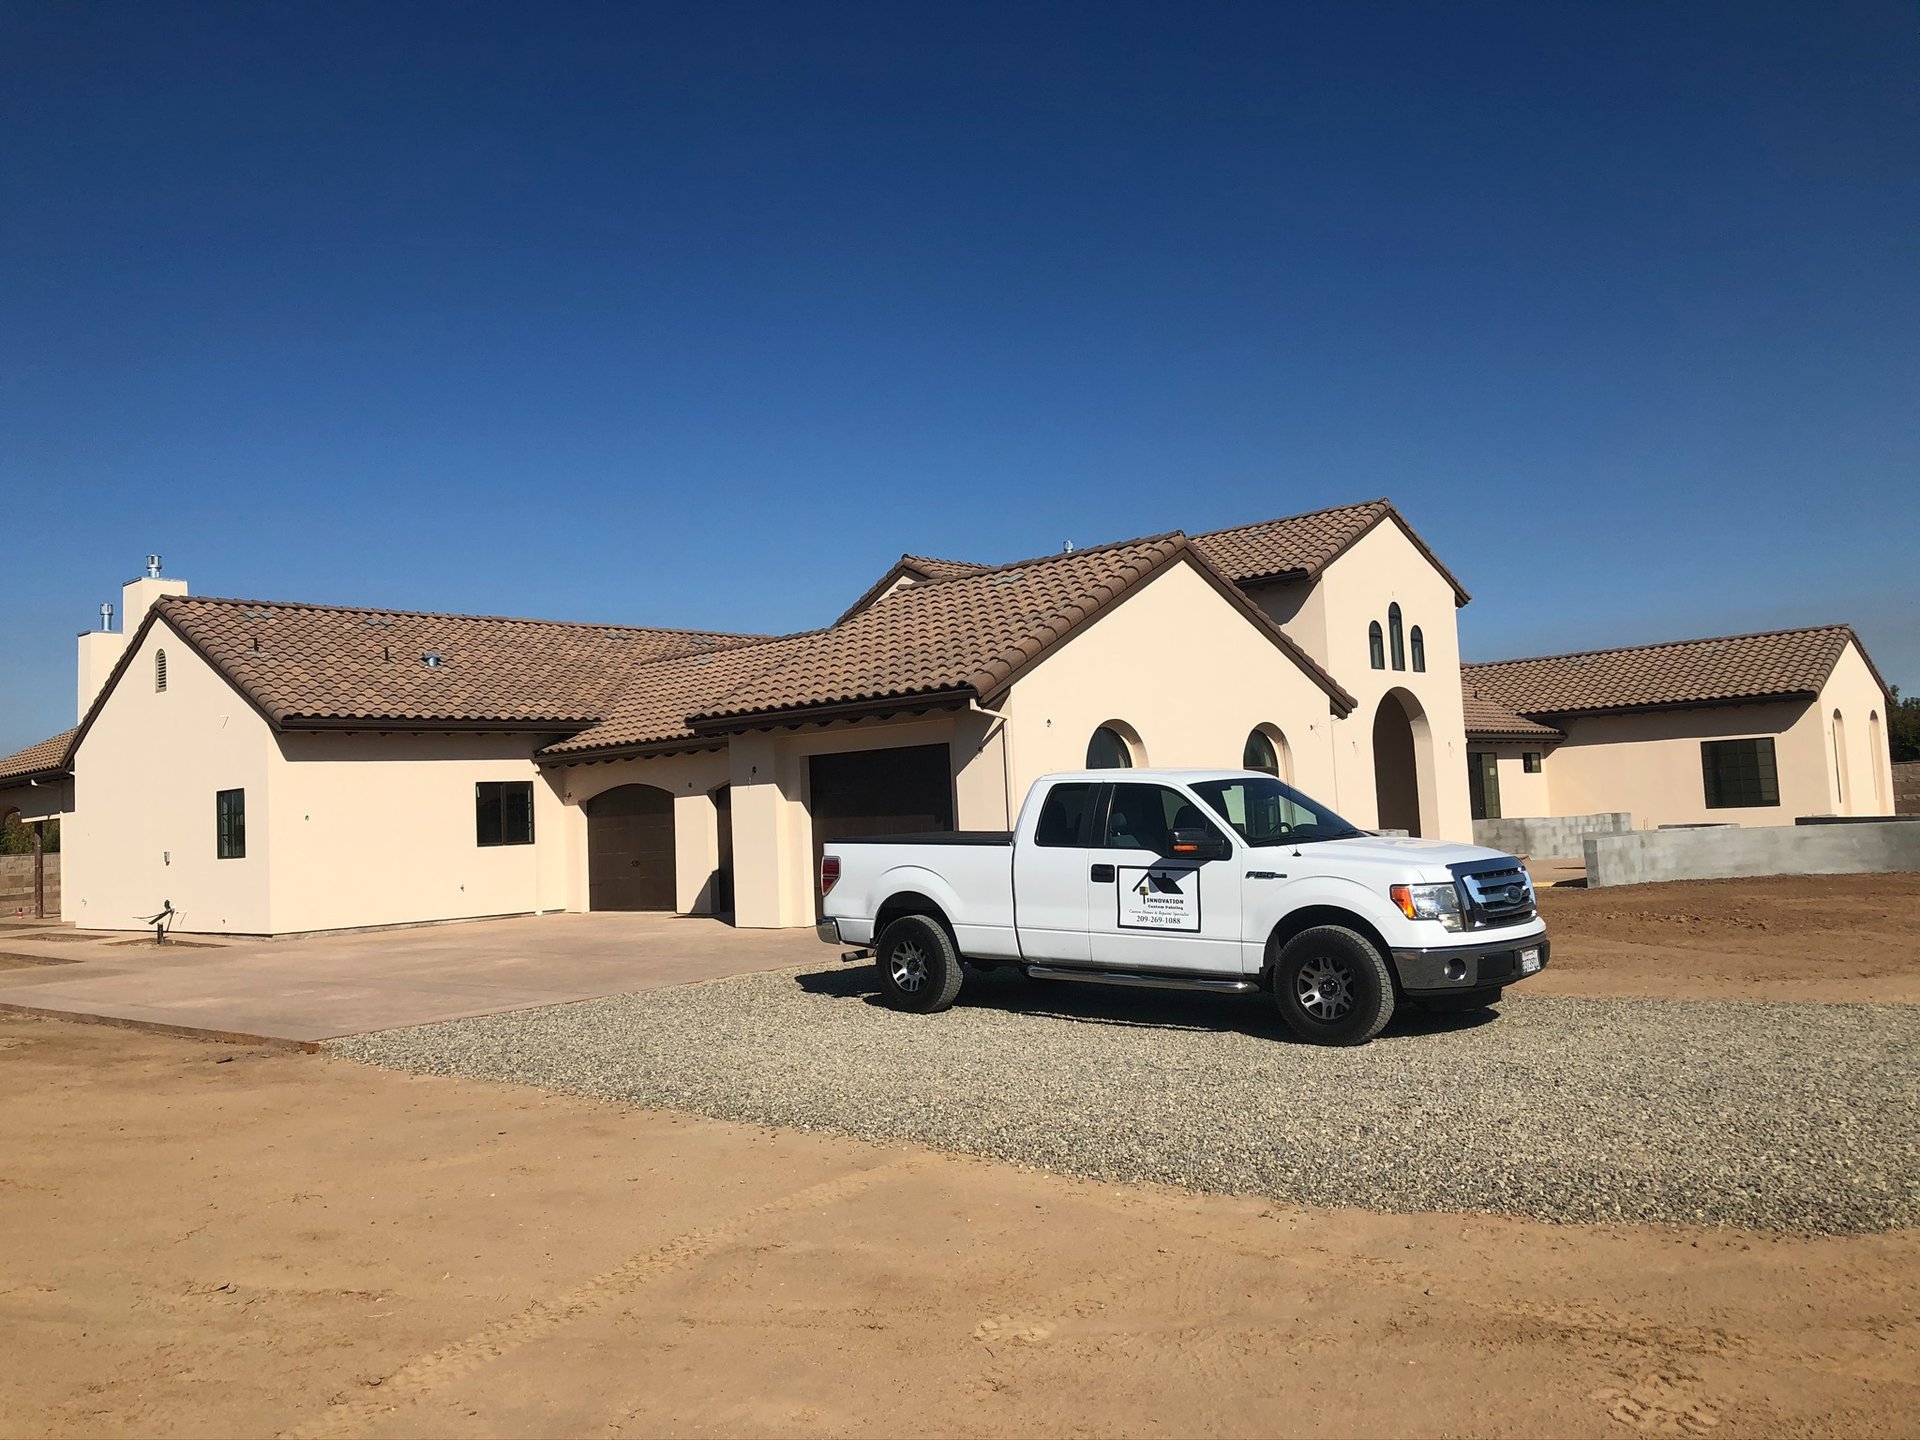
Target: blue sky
[{"x": 701, "y": 315}]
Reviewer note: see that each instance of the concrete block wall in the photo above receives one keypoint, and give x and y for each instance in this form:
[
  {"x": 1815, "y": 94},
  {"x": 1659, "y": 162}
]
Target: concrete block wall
[
  {"x": 1556, "y": 837},
  {"x": 1906, "y": 788},
  {"x": 1645, "y": 856},
  {"x": 16, "y": 884}
]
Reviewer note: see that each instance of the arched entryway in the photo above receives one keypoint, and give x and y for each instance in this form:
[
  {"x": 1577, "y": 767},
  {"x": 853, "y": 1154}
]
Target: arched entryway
[
  {"x": 1396, "y": 771},
  {"x": 630, "y": 857}
]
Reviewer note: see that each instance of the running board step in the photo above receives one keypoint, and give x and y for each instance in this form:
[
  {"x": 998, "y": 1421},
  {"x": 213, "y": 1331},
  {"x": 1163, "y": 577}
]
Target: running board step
[{"x": 1148, "y": 982}]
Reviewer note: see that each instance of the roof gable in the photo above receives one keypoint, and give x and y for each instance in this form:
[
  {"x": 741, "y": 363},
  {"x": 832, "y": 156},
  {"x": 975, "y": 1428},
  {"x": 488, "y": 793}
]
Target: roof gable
[
  {"x": 912, "y": 568},
  {"x": 966, "y": 637},
  {"x": 1301, "y": 546},
  {"x": 50, "y": 757},
  {"x": 1773, "y": 664}
]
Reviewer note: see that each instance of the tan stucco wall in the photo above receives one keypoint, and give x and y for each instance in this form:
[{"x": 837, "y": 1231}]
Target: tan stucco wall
[
  {"x": 143, "y": 827},
  {"x": 1382, "y": 568},
  {"x": 1522, "y": 796},
  {"x": 48, "y": 801},
  {"x": 1187, "y": 672},
  {"x": 1868, "y": 779},
  {"x": 378, "y": 829},
  {"x": 1649, "y": 765}
]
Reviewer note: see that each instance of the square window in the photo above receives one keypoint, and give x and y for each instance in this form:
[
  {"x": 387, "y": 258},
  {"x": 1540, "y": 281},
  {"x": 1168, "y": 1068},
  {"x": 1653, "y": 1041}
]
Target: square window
[
  {"x": 230, "y": 824},
  {"x": 503, "y": 812},
  {"x": 1739, "y": 774},
  {"x": 1530, "y": 761}
]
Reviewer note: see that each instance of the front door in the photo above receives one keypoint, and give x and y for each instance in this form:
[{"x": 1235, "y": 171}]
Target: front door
[{"x": 1149, "y": 909}]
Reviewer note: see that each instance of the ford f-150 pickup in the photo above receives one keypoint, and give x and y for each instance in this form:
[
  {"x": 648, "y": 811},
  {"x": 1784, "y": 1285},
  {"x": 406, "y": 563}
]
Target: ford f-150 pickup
[{"x": 1223, "y": 880}]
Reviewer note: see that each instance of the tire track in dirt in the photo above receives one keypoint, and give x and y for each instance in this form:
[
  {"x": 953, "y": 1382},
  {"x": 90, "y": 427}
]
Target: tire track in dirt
[{"x": 426, "y": 1373}]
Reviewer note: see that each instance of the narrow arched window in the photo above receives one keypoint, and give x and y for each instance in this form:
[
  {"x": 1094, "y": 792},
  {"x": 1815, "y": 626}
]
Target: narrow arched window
[
  {"x": 1419, "y": 644},
  {"x": 159, "y": 669},
  {"x": 1259, "y": 754},
  {"x": 1396, "y": 637},
  {"x": 1376, "y": 647},
  {"x": 1107, "y": 750}
]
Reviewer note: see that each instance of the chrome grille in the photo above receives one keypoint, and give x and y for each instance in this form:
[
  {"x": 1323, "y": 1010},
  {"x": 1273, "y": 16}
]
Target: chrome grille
[{"x": 1498, "y": 893}]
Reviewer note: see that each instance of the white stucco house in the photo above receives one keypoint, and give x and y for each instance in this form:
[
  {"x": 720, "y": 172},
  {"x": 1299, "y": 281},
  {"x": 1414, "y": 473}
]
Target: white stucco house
[{"x": 278, "y": 768}]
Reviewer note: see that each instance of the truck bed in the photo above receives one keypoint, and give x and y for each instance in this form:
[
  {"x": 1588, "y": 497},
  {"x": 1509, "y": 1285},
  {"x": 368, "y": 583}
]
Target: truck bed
[{"x": 935, "y": 837}]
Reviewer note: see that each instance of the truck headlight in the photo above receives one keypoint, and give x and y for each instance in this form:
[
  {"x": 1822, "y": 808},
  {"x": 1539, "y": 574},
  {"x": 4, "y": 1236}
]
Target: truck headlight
[{"x": 1430, "y": 902}]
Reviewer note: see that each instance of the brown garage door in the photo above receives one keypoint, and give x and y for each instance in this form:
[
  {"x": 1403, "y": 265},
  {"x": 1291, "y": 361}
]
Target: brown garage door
[
  {"x": 880, "y": 792},
  {"x": 630, "y": 849}
]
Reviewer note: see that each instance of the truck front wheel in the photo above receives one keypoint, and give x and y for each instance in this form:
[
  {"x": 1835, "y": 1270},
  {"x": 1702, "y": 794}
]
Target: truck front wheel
[
  {"x": 919, "y": 966},
  {"x": 1333, "y": 987}
]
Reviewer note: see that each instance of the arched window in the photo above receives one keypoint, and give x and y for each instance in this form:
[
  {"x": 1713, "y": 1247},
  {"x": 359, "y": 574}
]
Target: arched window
[
  {"x": 1108, "y": 750},
  {"x": 1259, "y": 754},
  {"x": 1396, "y": 637},
  {"x": 1877, "y": 762},
  {"x": 1419, "y": 643},
  {"x": 159, "y": 669},
  {"x": 1840, "y": 758},
  {"x": 1376, "y": 646}
]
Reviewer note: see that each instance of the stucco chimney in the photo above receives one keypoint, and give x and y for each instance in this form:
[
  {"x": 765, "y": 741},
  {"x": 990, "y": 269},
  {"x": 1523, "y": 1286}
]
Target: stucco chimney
[{"x": 100, "y": 649}]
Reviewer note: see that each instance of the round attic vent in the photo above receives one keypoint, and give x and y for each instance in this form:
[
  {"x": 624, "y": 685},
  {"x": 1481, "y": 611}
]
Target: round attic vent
[{"x": 433, "y": 659}]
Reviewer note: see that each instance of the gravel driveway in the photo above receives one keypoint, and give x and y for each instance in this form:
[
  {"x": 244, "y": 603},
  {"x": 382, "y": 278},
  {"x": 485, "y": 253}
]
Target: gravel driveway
[{"x": 1801, "y": 1117}]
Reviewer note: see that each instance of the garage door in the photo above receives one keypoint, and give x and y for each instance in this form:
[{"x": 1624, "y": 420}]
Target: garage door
[
  {"x": 880, "y": 792},
  {"x": 630, "y": 849}
]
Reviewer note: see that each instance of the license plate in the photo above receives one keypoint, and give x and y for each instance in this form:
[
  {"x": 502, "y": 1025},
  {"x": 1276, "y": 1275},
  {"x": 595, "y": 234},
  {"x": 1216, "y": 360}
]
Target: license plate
[{"x": 1529, "y": 961}]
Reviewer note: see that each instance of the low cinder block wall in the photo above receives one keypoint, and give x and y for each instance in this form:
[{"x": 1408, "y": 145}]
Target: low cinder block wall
[
  {"x": 1906, "y": 788},
  {"x": 1645, "y": 856},
  {"x": 16, "y": 883},
  {"x": 1554, "y": 837}
]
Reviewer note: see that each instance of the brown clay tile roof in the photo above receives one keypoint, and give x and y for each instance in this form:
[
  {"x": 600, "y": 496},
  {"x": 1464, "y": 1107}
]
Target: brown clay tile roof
[
  {"x": 323, "y": 663},
  {"x": 1684, "y": 672},
  {"x": 1301, "y": 546},
  {"x": 1490, "y": 720},
  {"x": 49, "y": 757},
  {"x": 1291, "y": 547},
  {"x": 964, "y": 637},
  {"x": 911, "y": 567}
]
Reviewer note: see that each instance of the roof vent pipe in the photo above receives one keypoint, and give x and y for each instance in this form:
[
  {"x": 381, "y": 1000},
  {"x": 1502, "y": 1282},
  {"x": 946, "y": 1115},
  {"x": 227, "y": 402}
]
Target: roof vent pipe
[
  {"x": 1067, "y": 549},
  {"x": 106, "y": 616},
  {"x": 153, "y": 567}
]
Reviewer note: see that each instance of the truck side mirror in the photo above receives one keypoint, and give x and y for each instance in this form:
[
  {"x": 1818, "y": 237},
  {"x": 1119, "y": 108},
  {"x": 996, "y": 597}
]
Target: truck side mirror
[{"x": 1197, "y": 842}]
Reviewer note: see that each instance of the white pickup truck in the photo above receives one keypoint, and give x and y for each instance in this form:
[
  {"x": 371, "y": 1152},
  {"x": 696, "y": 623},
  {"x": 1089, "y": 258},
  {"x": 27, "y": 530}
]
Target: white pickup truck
[{"x": 1224, "y": 880}]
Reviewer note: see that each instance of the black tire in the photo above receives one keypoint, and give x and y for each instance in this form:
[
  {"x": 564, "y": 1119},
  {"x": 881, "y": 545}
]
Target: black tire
[
  {"x": 1332, "y": 986},
  {"x": 1461, "y": 1000},
  {"x": 918, "y": 964}
]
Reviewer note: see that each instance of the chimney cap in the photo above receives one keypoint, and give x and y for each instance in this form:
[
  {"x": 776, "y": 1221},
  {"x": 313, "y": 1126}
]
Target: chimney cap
[{"x": 153, "y": 567}]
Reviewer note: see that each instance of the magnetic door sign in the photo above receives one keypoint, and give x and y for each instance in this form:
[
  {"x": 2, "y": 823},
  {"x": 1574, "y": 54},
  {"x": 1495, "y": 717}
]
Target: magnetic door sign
[{"x": 1159, "y": 898}]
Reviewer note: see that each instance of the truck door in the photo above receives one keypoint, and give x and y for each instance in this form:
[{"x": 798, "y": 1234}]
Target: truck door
[
  {"x": 1050, "y": 876},
  {"x": 1150, "y": 909}
]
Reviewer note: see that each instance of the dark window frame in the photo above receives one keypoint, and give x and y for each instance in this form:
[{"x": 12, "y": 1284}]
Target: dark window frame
[
  {"x": 1483, "y": 785},
  {"x": 1531, "y": 761},
  {"x": 230, "y": 824},
  {"x": 1417, "y": 643},
  {"x": 1126, "y": 749},
  {"x": 1376, "y": 647},
  {"x": 1736, "y": 778},
  {"x": 1273, "y": 750},
  {"x": 1397, "y": 636},
  {"x": 494, "y": 821}
]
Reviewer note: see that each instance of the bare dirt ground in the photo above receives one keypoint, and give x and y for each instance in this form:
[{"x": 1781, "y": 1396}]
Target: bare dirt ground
[
  {"x": 1780, "y": 937},
  {"x": 205, "y": 1240}
]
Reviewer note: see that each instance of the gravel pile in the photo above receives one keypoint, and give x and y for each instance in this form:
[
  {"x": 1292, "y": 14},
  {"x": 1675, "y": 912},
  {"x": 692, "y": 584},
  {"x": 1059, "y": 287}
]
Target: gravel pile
[{"x": 1797, "y": 1117}]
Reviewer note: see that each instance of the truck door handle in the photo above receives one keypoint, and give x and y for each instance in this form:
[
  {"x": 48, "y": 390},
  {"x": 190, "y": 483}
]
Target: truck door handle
[{"x": 1101, "y": 875}]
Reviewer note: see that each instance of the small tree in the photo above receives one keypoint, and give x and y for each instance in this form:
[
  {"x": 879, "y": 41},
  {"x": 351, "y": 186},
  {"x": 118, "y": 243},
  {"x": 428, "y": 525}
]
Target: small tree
[
  {"x": 16, "y": 836},
  {"x": 1903, "y": 726}
]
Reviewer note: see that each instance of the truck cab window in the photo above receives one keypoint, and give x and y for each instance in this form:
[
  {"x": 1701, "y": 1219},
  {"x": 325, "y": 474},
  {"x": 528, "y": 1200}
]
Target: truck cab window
[
  {"x": 1063, "y": 817},
  {"x": 1144, "y": 817}
]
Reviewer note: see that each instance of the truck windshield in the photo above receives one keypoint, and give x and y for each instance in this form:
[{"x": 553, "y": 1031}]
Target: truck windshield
[{"x": 1266, "y": 812}]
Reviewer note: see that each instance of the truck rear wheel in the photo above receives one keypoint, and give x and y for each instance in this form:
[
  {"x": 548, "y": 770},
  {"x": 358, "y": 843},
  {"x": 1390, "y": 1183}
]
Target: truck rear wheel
[
  {"x": 918, "y": 964},
  {"x": 1332, "y": 986}
]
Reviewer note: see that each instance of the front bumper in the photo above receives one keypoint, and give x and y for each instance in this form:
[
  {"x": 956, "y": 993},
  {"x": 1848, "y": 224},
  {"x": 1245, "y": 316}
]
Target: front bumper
[
  {"x": 827, "y": 932},
  {"x": 1445, "y": 968}
]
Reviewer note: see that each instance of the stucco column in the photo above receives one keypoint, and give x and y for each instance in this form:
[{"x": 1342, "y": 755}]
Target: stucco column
[{"x": 765, "y": 896}]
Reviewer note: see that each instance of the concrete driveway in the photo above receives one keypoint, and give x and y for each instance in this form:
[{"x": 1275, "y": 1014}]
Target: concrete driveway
[{"x": 324, "y": 987}]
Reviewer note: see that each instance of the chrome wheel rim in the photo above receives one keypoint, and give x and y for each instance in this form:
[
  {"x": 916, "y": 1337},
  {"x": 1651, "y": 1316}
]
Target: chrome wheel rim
[
  {"x": 1324, "y": 988},
  {"x": 908, "y": 964}
]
